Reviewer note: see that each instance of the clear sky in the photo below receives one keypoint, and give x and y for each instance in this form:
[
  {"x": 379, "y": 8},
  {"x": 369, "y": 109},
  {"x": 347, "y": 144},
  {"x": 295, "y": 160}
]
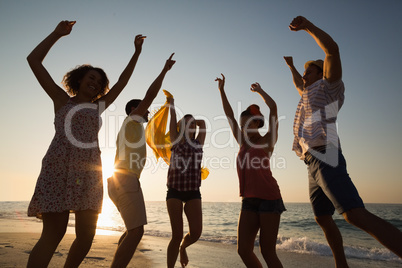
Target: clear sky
[{"x": 245, "y": 40}]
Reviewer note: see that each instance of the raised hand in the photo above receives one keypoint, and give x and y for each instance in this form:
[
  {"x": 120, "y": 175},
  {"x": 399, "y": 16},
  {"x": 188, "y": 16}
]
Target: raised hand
[
  {"x": 64, "y": 27},
  {"x": 299, "y": 23},
  {"x": 169, "y": 63},
  {"x": 170, "y": 100},
  {"x": 255, "y": 87},
  {"x": 289, "y": 60},
  {"x": 221, "y": 82},
  {"x": 138, "y": 41}
]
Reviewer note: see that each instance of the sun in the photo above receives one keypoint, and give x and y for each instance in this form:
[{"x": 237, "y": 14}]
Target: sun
[
  {"x": 107, "y": 220},
  {"x": 107, "y": 167},
  {"x": 107, "y": 170}
]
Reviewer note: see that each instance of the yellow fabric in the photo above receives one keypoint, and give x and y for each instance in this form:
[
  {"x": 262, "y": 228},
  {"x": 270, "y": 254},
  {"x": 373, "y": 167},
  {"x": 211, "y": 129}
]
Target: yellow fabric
[
  {"x": 158, "y": 139},
  {"x": 155, "y": 132},
  {"x": 204, "y": 173}
]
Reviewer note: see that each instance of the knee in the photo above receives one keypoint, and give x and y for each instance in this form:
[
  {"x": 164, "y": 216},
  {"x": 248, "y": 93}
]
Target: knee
[
  {"x": 136, "y": 232},
  {"x": 53, "y": 236},
  {"x": 243, "y": 250},
  {"x": 195, "y": 235},
  {"x": 177, "y": 237},
  {"x": 85, "y": 237},
  {"x": 52, "y": 239},
  {"x": 268, "y": 251},
  {"x": 356, "y": 217},
  {"x": 323, "y": 220}
]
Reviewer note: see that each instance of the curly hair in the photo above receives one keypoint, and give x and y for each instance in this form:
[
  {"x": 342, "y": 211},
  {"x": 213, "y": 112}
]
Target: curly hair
[
  {"x": 254, "y": 111},
  {"x": 72, "y": 78}
]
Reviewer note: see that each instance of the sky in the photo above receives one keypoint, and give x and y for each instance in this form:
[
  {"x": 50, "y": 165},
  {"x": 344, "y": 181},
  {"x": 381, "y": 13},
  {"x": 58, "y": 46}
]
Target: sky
[{"x": 244, "y": 40}]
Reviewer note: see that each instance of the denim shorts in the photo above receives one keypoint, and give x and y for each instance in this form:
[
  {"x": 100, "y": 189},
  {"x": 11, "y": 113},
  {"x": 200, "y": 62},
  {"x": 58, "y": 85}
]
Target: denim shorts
[
  {"x": 259, "y": 205},
  {"x": 330, "y": 187},
  {"x": 184, "y": 196}
]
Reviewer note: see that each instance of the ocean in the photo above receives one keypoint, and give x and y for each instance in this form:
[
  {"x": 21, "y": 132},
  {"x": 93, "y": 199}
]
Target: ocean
[{"x": 298, "y": 232}]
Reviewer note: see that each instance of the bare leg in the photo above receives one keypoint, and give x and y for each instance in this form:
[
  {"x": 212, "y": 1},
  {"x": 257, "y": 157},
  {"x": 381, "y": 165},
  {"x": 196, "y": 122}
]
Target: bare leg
[
  {"x": 54, "y": 228},
  {"x": 334, "y": 238},
  {"x": 269, "y": 223},
  {"x": 387, "y": 234},
  {"x": 85, "y": 228},
  {"x": 175, "y": 210},
  {"x": 247, "y": 230},
  {"x": 193, "y": 212},
  {"x": 122, "y": 237},
  {"x": 127, "y": 247}
]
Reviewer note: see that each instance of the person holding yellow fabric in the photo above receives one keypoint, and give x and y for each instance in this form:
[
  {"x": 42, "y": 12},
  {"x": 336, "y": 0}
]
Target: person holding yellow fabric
[
  {"x": 124, "y": 187},
  {"x": 183, "y": 182}
]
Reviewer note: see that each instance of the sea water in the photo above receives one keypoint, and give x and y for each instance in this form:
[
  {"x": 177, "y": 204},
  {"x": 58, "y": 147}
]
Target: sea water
[{"x": 298, "y": 232}]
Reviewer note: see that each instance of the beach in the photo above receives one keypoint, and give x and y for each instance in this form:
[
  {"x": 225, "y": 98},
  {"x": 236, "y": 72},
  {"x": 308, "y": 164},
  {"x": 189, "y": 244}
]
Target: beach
[
  {"x": 19, "y": 234},
  {"x": 151, "y": 252}
]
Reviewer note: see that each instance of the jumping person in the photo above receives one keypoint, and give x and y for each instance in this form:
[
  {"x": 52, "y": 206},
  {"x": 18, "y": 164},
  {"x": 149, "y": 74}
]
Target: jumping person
[{"x": 317, "y": 143}]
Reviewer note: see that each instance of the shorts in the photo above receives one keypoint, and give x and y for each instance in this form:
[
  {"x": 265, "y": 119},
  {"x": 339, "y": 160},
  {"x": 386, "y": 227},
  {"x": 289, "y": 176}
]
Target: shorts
[
  {"x": 259, "y": 205},
  {"x": 184, "y": 196},
  {"x": 331, "y": 187},
  {"x": 125, "y": 192}
]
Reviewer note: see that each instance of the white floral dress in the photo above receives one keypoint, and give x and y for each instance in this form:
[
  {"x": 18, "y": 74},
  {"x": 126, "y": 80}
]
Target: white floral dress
[{"x": 71, "y": 174}]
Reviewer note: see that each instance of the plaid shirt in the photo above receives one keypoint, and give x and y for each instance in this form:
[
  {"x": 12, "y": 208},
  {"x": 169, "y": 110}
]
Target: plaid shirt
[{"x": 185, "y": 166}]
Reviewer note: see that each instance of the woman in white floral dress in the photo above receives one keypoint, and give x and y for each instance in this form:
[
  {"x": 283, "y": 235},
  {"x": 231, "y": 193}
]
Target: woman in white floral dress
[{"x": 71, "y": 176}]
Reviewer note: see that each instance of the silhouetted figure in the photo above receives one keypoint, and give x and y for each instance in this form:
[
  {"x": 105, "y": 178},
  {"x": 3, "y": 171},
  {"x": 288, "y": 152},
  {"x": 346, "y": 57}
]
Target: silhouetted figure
[
  {"x": 262, "y": 203},
  {"x": 124, "y": 186},
  {"x": 317, "y": 143},
  {"x": 183, "y": 182},
  {"x": 71, "y": 174}
]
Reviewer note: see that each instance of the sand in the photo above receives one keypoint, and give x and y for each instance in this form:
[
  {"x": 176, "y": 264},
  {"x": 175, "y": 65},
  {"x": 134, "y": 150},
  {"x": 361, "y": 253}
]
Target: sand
[
  {"x": 15, "y": 248},
  {"x": 16, "y": 242}
]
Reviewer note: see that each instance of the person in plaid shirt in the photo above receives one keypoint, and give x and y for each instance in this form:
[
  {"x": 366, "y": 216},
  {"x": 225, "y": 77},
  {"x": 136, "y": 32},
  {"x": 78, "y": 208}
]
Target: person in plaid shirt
[{"x": 183, "y": 182}]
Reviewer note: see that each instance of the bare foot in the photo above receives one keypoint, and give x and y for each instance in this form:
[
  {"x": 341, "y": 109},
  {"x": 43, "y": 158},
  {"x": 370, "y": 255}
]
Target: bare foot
[{"x": 183, "y": 257}]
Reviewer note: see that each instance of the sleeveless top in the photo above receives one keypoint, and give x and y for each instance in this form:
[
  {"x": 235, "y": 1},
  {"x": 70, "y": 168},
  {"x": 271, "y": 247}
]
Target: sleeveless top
[
  {"x": 255, "y": 176},
  {"x": 71, "y": 175}
]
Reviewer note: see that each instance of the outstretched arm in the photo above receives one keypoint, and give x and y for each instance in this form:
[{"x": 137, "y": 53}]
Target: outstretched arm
[
  {"x": 173, "y": 121},
  {"x": 152, "y": 90},
  {"x": 229, "y": 111},
  {"x": 125, "y": 75},
  {"x": 35, "y": 58},
  {"x": 332, "y": 63},
  {"x": 272, "y": 135},
  {"x": 297, "y": 78}
]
